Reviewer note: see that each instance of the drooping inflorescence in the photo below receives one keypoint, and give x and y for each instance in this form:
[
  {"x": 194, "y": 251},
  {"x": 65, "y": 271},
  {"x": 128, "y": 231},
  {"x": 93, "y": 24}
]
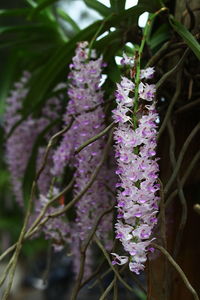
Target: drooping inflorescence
[
  {"x": 137, "y": 199},
  {"x": 20, "y": 144},
  {"x": 85, "y": 107}
]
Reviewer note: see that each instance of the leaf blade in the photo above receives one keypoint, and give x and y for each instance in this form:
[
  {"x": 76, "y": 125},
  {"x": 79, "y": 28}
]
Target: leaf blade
[
  {"x": 99, "y": 7},
  {"x": 186, "y": 36},
  {"x": 68, "y": 19},
  {"x": 44, "y": 4},
  {"x": 14, "y": 12}
]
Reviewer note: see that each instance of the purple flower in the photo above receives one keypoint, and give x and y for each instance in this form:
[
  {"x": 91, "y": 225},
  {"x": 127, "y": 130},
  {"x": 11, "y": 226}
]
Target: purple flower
[
  {"x": 85, "y": 105},
  {"x": 147, "y": 73},
  {"x": 19, "y": 145},
  {"x": 147, "y": 91},
  {"x": 138, "y": 172}
]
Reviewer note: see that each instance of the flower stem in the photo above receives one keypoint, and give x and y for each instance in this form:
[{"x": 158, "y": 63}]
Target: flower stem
[{"x": 138, "y": 62}]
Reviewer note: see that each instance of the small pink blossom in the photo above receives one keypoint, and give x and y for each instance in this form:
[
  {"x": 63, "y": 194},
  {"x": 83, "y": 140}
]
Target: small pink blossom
[
  {"x": 147, "y": 73},
  {"x": 147, "y": 91},
  {"x": 127, "y": 60},
  {"x": 137, "y": 171}
]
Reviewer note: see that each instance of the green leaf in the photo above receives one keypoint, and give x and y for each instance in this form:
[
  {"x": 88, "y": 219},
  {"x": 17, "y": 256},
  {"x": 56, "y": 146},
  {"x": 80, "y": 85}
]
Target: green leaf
[
  {"x": 31, "y": 3},
  {"x": 186, "y": 36},
  {"x": 22, "y": 28},
  {"x": 159, "y": 36},
  {"x": 19, "y": 43},
  {"x": 42, "y": 5},
  {"x": 14, "y": 12},
  {"x": 68, "y": 19},
  {"x": 117, "y": 5},
  {"x": 30, "y": 172},
  {"x": 99, "y": 7}
]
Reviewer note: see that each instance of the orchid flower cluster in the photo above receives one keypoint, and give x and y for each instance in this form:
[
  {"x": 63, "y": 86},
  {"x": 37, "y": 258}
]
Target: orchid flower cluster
[
  {"x": 19, "y": 145},
  {"x": 135, "y": 150},
  {"x": 137, "y": 200},
  {"x": 57, "y": 230},
  {"x": 85, "y": 107}
]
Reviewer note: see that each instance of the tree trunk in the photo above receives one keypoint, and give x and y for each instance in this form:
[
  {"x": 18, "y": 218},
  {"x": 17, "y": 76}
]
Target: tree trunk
[{"x": 161, "y": 286}]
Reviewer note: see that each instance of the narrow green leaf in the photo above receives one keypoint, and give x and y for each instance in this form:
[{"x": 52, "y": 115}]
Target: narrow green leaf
[
  {"x": 30, "y": 171},
  {"x": 117, "y": 6},
  {"x": 14, "y": 12},
  {"x": 160, "y": 35},
  {"x": 68, "y": 19},
  {"x": 42, "y": 5},
  {"x": 22, "y": 28},
  {"x": 19, "y": 43},
  {"x": 186, "y": 36},
  {"x": 31, "y": 3},
  {"x": 99, "y": 7}
]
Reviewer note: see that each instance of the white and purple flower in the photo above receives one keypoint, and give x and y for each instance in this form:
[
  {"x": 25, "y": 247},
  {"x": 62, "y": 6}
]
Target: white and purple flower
[{"x": 137, "y": 171}]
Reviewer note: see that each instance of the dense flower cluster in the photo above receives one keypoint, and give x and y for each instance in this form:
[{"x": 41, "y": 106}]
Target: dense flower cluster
[
  {"x": 57, "y": 230},
  {"x": 137, "y": 170},
  {"x": 19, "y": 145},
  {"x": 85, "y": 106}
]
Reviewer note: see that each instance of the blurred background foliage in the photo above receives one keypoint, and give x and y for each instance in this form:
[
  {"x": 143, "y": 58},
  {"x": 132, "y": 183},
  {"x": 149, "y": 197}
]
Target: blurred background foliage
[{"x": 40, "y": 36}]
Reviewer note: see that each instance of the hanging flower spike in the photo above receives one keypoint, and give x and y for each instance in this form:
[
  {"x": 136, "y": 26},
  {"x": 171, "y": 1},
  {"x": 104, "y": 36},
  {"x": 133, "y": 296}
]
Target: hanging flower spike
[
  {"x": 137, "y": 170},
  {"x": 25, "y": 135},
  {"x": 55, "y": 229},
  {"x": 85, "y": 99}
]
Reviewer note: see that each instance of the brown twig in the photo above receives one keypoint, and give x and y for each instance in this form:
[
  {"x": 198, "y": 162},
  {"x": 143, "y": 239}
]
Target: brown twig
[
  {"x": 180, "y": 192},
  {"x": 171, "y": 105},
  {"x": 48, "y": 148},
  {"x": 159, "y": 54},
  {"x": 107, "y": 290},
  {"x": 96, "y": 137},
  {"x": 176, "y": 68},
  {"x": 185, "y": 177},
  {"x": 115, "y": 289},
  {"x": 94, "y": 274},
  {"x": 188, "y": 106},
  {"x": 110, "y": 286},
  {"x": 181, "y": 155},
  {"x": 48, "y": 204},
  {"x": 34, "y": 228},
  {"x": 83, "y": 254},
  {"x": 110, "y": 263},
  {"x": 178, "y": 269},
  {"x": 17, "y": 247},
  {"x": 6, "y": 272},
  {"x": 89, "y": 184}
]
